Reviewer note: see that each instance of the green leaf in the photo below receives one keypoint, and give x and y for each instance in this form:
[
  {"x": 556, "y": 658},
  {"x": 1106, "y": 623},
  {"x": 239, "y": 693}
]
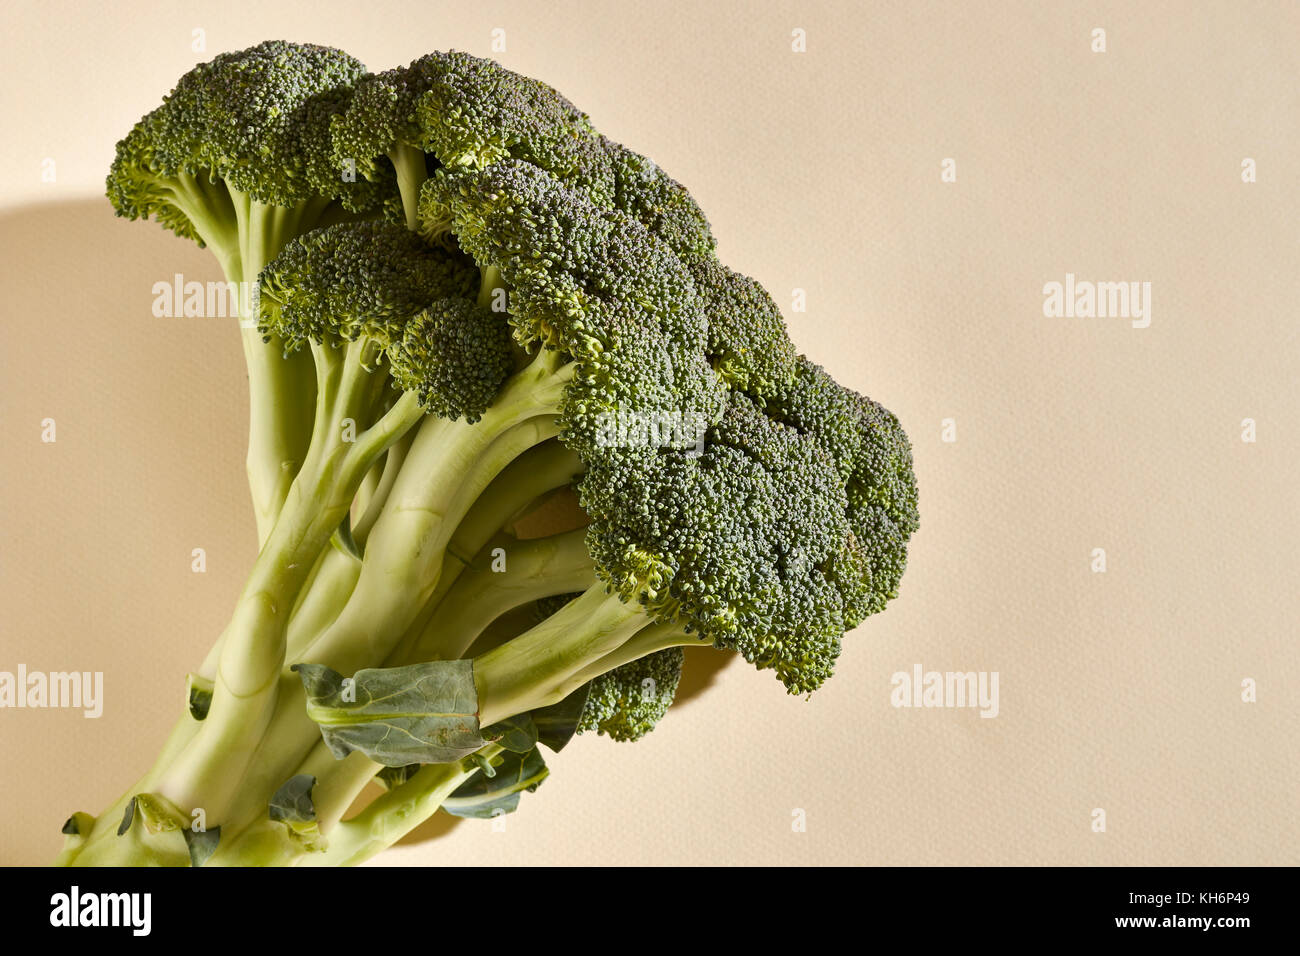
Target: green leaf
[
  {"x": 482, "y": 797},
  {"x": 292, "y": 802},
  {"x": 127, "y": 816},
  {"x": 202, "y": 844},
  {"x": 292, "y": 805},
  {"x": 79, "y": 824},
  {"x": 516, "y": 734},
  {"x": 156, "y": 813},
  {"x": 557, "y": 724},
  {"x": 421, "y": 713},
  {"x": 198, "y": 692}
]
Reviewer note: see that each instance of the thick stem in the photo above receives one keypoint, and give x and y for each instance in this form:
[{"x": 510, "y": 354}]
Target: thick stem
[
  {"x": 449, "y": 465},
  {"x": 411, "y": 174},
  {"x": 322, "y": 599},
  {"x": 369, "y": 485},
  {"x": 280, "y": 386},
  {"x": 538, "y": 667},
  {"x": 656, "y": 637},
  {"x": 392, "y": 468},
  {"x": 279, "y": 423},
  {"x": 537, "y": 471},
  {"x": 508, "y": 573},
  {"x": 394, "y": 814},
  {"x": 208, "y": 773},
  {"x": 490, "y": 283},
  {"x": 404, "y": 553},
  {"x": 212, "y": 759}
]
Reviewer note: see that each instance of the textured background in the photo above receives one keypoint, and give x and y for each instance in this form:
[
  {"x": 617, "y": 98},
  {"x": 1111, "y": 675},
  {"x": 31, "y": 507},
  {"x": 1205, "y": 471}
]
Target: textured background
[{"x": 820, "y": 171}]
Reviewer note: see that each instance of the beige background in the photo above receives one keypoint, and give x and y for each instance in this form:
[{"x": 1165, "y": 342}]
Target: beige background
[{"x": 819, "y": 171}]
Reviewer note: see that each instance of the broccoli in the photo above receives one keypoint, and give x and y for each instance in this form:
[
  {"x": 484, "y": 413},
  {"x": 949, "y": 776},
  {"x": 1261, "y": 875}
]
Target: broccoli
[{"x": 472, "y": 307}]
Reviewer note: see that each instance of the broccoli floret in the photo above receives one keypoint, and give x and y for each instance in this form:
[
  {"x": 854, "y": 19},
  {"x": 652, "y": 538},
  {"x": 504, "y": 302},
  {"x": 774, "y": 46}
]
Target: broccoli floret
[
  {"x": 882, "y": 501},
  {"x": 454, "y": 355},
  {"x": 352, "y": 279},
  {"x": 742, "y": 542},
  {"x": 649, "y": 195},
  {"x": 455, "y": 110},
  {"x": 595, "y": 285},
  {"x": 748, "y": 345},
  {"x": 411, "y": 301},
  {"x": 247, "y": 129},
  {"x": 627, "y": 702}
]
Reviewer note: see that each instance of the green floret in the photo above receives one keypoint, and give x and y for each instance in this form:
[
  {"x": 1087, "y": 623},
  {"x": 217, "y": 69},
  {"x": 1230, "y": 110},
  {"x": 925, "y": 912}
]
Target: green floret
[
  {"x": 455, "y": 110},
  {"x": 357, "y": 279},
  {"x": 245, "y": 118},
  {"x": 454, "y": 355},
  {"x": 378, "y": 133},
  {"x": 627, "y": 702},
  {"x": 247, "y": 127},
  {"x": 874, "y": 458},
  {"x": 649, "y": 195},
  {"x": 597, "y": 286},
  {"x": 813, "y": 403},
  {"x": 143, "y": 184},
  {"x": 475, "y": 113},
  {"x": 748, "y": 344},
  {"x": 882, "y": 501},
  {"x": 743, "y": 543},
  {"x": 375, "y": 193}
]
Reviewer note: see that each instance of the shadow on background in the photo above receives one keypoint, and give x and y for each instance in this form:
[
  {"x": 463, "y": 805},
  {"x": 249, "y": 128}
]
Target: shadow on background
[
  {"x": 700, "y": 670},
  {"x": 149, "y": 463}
]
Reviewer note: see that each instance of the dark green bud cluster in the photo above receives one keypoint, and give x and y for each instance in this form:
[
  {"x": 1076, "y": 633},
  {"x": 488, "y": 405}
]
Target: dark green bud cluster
[
  {"x": 454, "y": 355},
  {"x": 257, "y": 120},
  {"x": 379, "y": 281},
  {"x": 357, "y": 279},
  {"x": 628, "y": 701},
  {"x": 748, "y": 543},
  {"x": 748, "y": 344}
]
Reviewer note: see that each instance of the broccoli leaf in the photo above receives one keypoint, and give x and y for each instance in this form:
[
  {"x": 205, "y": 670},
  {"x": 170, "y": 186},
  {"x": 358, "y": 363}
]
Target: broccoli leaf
[
  {"x": 199, "y": 695},
  {"x": 483, "y": 797},
  {"x": 202, "y": 844},
  {"x": 292, "y": 805},
  {"x": 421, "y": 713},
  {"x": 292, "y": 802},
  {"x": 516, "y": 734},
  {"x": 557, "y": 724}
]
